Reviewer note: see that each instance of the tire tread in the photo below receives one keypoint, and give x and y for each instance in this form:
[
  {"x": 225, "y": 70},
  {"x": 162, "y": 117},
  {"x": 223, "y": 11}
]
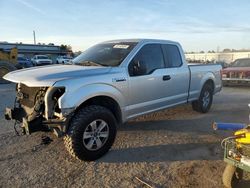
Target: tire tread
[{"x": 72, "y": 141}]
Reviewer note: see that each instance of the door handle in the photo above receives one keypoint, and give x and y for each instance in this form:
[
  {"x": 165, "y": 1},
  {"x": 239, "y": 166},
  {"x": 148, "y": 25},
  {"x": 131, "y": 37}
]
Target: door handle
[{"x": 166, "y": 77}]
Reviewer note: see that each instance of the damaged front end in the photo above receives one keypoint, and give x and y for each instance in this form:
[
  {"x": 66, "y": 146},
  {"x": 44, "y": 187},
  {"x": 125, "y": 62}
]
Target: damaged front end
[{"x": 37, "y": 109}]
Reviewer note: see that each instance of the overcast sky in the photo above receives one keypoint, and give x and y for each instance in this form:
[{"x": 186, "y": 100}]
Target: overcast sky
[{"x": 196, "y": 24}]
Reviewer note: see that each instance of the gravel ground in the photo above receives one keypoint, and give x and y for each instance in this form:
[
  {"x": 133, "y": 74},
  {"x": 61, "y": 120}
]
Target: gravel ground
[{"x": 172, "y": 148}]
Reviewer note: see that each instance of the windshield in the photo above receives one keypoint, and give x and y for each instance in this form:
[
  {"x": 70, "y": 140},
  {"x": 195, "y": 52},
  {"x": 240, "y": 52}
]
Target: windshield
[
  {"x": 241, "y": 63},
  {"x": 105, "y": 54},
  {"x": 42, "y": 57},
  {"x": 21, "y": 58}
]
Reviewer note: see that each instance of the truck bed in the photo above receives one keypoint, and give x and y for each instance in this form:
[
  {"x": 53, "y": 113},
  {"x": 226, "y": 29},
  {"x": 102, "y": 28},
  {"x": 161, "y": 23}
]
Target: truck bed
[{"x": 199, "y": 74}]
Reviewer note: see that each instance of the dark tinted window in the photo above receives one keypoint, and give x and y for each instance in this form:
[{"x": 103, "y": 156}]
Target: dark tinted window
[
  {"x": 42, "y": 57},
  {"x": 151, "y": 57},
  {"x": 172, "y": 55},
  {"x": 21, "y": 58}
]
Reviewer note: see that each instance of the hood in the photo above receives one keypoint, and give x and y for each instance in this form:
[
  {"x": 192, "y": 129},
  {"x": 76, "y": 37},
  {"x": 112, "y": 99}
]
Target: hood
[
  {"x": 48, "y": 75},
  {"x": 43, "y": 60}
]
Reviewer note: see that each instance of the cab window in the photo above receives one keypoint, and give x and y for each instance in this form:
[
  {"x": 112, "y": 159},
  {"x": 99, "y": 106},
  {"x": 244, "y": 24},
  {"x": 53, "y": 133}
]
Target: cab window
[
  {"x": 172, "y": 55},
  {"x": 147, "y": 60}
]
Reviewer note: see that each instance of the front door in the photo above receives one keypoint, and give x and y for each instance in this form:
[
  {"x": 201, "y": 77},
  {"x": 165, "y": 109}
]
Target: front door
[{"x": 147, "y": 86}]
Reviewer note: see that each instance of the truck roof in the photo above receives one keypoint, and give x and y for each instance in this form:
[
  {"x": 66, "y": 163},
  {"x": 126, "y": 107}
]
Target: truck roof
[{"x": 141, "y": 40}]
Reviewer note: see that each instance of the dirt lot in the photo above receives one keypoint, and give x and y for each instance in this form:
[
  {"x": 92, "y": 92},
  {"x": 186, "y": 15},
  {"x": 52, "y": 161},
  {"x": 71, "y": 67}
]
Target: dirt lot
[{"x": 172, "y": 148}]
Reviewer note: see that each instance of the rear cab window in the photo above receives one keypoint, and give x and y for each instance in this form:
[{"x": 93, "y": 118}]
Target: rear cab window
[{"x": 172, "y": 55}]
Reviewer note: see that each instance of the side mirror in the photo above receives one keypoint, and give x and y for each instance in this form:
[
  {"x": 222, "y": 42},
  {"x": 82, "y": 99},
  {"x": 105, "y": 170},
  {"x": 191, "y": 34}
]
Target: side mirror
[{"x": 137, "y": 68}]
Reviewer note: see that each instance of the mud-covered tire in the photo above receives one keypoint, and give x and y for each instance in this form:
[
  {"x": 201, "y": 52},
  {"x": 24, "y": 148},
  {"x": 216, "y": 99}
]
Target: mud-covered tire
[
  {"x": 5, "y": 67},
  {"x": 203, "y": 104},
  {"x": 74, "y": 140},
  {"x": 231, "y": 176}
]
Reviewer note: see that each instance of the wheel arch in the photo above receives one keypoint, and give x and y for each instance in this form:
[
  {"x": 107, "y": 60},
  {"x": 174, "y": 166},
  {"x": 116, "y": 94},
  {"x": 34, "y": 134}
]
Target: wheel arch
[
  {"x": 211, "y": 83},
  {"x": 209, "y": 78},
  {"x": 105, "y": 101}
]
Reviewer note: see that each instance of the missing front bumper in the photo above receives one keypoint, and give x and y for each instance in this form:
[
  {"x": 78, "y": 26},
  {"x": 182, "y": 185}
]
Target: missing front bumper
[
  {"x": 37, "y": 124},
  {"x": 33, "y": 126}
]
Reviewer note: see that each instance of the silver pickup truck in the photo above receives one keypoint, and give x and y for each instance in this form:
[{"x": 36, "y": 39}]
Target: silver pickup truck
[{"x": 109, "y": 84}]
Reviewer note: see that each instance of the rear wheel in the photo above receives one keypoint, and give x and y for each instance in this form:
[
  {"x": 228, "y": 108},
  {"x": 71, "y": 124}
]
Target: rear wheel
[
  {"x": 5, "y": 67},
  {"x": 205, "y": 100},
  {"x": 91, "y": 133}
]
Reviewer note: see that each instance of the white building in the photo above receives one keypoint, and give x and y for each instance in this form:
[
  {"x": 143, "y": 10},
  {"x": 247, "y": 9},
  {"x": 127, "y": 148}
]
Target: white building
[{"x": 228, "y": 57}]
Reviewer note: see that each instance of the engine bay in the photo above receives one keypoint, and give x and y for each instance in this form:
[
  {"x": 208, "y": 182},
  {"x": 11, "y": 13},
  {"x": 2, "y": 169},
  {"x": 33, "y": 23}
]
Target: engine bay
[{"x": 37, "y": 109}]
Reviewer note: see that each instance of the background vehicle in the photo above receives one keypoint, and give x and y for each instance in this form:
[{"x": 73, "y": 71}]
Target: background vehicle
[
  {"x": 238, "y": 73},
  {"x": 108, "y": 84},
  {"x": 41, "y": 60},
  {"x": 63, "y": 59},
  {"x": 23, "y": 62},
  {"x": 222, "y": 63},
  {"x": 8, "y": 60}
]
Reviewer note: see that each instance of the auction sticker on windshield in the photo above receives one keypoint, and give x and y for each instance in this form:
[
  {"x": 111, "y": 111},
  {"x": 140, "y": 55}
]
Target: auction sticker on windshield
[{"x": 122, "y": 46}]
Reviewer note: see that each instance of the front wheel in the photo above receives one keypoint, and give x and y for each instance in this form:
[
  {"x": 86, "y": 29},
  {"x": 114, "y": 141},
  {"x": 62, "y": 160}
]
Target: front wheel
[
  {"x": 203, "y": 104},
  {"x": 91, "y": 133},
  {"x": 231, "y": 176}
]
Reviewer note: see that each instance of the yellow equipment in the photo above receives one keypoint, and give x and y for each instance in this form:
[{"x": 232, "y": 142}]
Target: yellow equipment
[
  {"x": 8, "y": 60},
  {"x": 244, "y": 136},
  {"x": 236, "y": 152},
  {"x": 237, "y": 157}
]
